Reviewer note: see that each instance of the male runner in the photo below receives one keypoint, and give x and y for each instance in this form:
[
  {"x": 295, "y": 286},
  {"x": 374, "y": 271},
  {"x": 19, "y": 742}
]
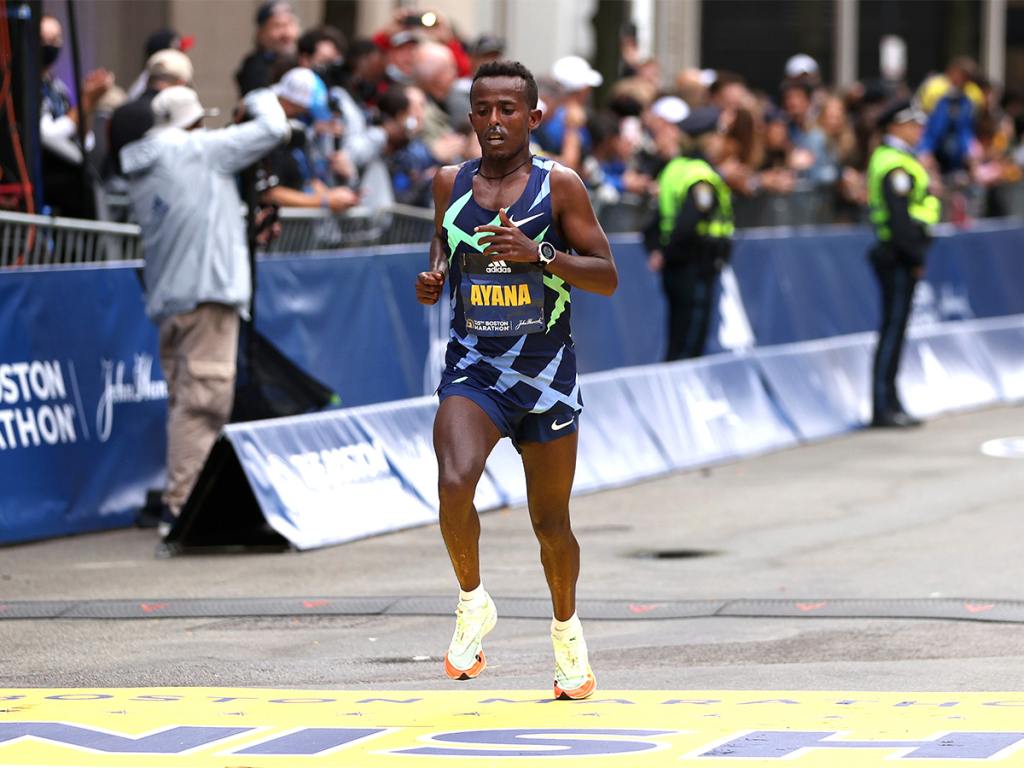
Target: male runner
[{"x": 514, "y": 232}]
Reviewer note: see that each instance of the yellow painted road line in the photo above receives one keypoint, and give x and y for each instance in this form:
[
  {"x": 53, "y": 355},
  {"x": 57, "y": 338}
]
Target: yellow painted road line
[{"x": 262, "y": 728}]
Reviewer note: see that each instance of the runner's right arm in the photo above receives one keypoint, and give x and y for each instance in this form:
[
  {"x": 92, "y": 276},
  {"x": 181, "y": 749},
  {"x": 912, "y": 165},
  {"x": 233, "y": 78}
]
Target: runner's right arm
[{"x": 430, "y": 283}]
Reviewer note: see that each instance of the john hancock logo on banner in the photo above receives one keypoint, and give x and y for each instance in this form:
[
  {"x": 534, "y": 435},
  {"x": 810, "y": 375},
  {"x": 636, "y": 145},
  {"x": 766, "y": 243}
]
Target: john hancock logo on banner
[{"x": 116, "y": 390}]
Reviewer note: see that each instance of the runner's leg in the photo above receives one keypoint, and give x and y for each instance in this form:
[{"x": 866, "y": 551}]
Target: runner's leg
[
  {"x": 550, "y": 468},
  {"x": 464, "y": 437}
]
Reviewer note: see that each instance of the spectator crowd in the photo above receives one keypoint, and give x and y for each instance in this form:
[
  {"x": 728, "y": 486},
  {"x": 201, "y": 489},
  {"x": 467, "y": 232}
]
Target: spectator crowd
[{"x": 373, "y": 119}]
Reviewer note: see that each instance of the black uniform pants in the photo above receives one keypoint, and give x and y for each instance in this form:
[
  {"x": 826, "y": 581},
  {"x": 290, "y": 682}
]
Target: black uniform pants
[
  {"x": 897, "y": 282},
  {"x": 689, "y": 289}
]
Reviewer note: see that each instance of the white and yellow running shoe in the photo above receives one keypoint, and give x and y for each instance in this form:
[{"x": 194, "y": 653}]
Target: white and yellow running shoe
[
  {"x": 465, "y": 658},
  {"x": 573, "y": 677}
]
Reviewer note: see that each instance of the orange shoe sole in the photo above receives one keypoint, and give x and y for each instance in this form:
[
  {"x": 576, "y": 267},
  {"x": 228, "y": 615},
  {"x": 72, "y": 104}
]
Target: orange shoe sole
[
  {"x": 465, "y": 674},
  {"x": 585, "y": 690}
]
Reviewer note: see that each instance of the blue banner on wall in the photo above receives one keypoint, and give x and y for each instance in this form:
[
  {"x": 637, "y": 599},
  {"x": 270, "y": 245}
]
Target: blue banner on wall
[{"x": 82, "y": 402}]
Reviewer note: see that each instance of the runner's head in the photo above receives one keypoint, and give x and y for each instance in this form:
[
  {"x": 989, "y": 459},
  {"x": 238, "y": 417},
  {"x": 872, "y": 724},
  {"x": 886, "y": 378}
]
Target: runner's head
[{"x": 503, "y": 108}]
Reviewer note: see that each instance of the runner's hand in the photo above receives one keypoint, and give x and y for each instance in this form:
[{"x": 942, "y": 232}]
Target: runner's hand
[
  {"x": 507, "y": 242},
  {"x": 428, "y": 287}
]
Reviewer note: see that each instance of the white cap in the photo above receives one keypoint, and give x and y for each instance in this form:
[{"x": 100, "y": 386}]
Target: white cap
[
  {"x": 574, "y": 73},
  {"x": 801, "y": 64},
  {"x": 177, "y": 107},
  {"x": 299, "y": 86},
  {"x": 171, "y": 64},
  {"x": 708, "y": 77},
  {"x": 671, "y": 109}
]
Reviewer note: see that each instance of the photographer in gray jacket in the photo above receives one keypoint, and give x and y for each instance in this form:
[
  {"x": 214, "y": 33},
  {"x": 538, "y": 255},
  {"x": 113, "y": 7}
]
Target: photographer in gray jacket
[{"x": 197, "y": 279}]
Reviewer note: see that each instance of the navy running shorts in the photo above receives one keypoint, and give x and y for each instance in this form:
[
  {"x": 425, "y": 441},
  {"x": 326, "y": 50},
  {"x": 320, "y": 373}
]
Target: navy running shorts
[{"x": 512, "y": 420}]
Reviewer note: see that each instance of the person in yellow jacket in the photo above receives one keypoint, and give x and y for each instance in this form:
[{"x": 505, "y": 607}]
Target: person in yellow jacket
[
  {"x": 902, "y": 212},
  {"x": 689, "y": 241}
]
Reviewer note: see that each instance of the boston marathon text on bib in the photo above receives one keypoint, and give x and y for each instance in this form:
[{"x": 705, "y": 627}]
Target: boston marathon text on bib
[{"x": 502, "y": 299}]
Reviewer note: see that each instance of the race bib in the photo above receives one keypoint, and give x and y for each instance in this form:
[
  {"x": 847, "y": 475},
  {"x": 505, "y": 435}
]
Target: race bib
[{"x": 502, "y": 299}]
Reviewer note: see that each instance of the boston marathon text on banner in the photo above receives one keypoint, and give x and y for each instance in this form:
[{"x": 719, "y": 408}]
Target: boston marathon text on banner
[
  {"x": 34, "y": 405},
  {"x": 82, "y": 402}
]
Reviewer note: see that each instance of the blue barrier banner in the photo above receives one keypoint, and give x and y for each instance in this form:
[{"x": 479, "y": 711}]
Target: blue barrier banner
[
  {"x": 800, "y": 285},
  {"x": 627, "y": 328},
  {"x": 1003, "y": 339},
  {"x": 339, "y": 315},
  {"x": 824, "y": 387},
  {"x": 82, "y": 402},
  {"x": 321, "y": 479},
  {"x": 349, "y": 319},
  {"x": 404, "y": 430},
  {"x": 981, "y": 268},
  {"x": 944, "y": 368},
  {"x": 707, "y": 410},
  {"x": 615, "y": 445}
]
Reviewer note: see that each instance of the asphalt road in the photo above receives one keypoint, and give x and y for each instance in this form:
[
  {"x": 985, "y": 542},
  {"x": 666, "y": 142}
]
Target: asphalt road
[{"x": 872, "y": 515}]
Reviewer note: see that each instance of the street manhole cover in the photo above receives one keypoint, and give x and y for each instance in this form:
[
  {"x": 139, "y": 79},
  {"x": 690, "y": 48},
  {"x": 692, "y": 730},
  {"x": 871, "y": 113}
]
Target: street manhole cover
[{"x": 673, "y": 554}]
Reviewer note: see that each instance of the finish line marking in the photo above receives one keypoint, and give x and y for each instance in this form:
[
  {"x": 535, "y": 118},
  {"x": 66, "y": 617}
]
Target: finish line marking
[{"x": 263, "y": 728}]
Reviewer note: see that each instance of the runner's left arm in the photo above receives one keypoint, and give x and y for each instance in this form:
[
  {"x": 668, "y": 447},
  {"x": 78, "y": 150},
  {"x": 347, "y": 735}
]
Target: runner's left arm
[{"x": 592, "y": 266}]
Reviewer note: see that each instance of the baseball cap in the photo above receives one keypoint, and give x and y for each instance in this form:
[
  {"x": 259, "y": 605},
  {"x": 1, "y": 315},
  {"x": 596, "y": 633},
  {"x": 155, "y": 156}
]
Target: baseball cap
[
  {"x": 177, "y": 107},
  {"x": 487, "y": 45},
  {"x": 302, "y": 87},
  {"x": 701, "y": 121},
  {"x": 671, "y": 109},
  {"x": 170, "y": 64},
  {"x": 801, "y": 64},
  {"x": 574, "y": 73},
  {"x": 271, "y": 8},
  {"x": 901, "y": 111}
]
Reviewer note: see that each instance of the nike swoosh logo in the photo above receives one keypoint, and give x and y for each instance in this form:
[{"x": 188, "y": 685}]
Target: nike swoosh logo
[
  {"x": 460, "y": 380},
  {"x": 520, "y": 223},
  {"x": 556, "y": 426}
]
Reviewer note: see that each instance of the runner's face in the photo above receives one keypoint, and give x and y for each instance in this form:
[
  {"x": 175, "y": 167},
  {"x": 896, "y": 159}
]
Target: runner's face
[{"x": 501, "y": 117}]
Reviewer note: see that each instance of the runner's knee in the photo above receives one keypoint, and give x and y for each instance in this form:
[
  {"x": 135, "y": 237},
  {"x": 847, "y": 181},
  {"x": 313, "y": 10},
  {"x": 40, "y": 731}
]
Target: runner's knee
[
  {"x": 553, "y": 529},
  {"x": 457, "y": 485}
]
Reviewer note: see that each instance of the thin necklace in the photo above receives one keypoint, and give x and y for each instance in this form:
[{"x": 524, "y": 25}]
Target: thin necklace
[{"x": 496, "y": 178}]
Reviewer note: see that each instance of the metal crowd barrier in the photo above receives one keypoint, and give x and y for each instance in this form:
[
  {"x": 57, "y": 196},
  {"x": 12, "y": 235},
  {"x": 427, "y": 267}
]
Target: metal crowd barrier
[
  {"x": 28, "y": 240},
  {"x": 314, "y": 229}
]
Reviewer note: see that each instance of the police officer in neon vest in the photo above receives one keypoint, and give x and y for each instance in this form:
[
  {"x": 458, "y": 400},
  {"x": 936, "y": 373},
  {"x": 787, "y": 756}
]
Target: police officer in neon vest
[
  {"x": 690, "y": 240},
  {"x": 902, "y": 213}
]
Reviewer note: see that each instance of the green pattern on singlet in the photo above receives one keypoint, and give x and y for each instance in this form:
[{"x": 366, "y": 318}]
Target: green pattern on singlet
[{"x": 455, "y": 234}]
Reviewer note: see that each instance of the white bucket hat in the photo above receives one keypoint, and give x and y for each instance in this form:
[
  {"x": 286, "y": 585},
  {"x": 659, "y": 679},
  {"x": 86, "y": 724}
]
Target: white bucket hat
[{"x": 177, "y": 107}]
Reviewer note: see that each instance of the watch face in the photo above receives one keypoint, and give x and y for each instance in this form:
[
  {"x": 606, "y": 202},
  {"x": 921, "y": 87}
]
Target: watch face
[{"x": 547, "y": 252}]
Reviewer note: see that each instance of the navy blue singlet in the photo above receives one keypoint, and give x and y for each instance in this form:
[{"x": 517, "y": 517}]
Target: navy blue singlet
[{"x": 510, "y": 321}]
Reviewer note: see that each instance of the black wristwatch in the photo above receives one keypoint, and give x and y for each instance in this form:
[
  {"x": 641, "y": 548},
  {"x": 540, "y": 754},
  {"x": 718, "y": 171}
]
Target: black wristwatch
[{"x": 546, "y": 254}]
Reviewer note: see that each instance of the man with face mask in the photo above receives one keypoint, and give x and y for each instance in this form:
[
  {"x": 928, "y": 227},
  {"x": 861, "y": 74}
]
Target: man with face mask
[
  {"x": 358, "y": 144},
  {"x": 65, "y": 191},
  {"x": 277, "y": 32}
]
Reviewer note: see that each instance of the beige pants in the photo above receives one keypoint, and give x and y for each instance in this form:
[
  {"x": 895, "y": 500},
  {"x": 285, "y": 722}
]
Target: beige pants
[{"x": 197, "y": 352}]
